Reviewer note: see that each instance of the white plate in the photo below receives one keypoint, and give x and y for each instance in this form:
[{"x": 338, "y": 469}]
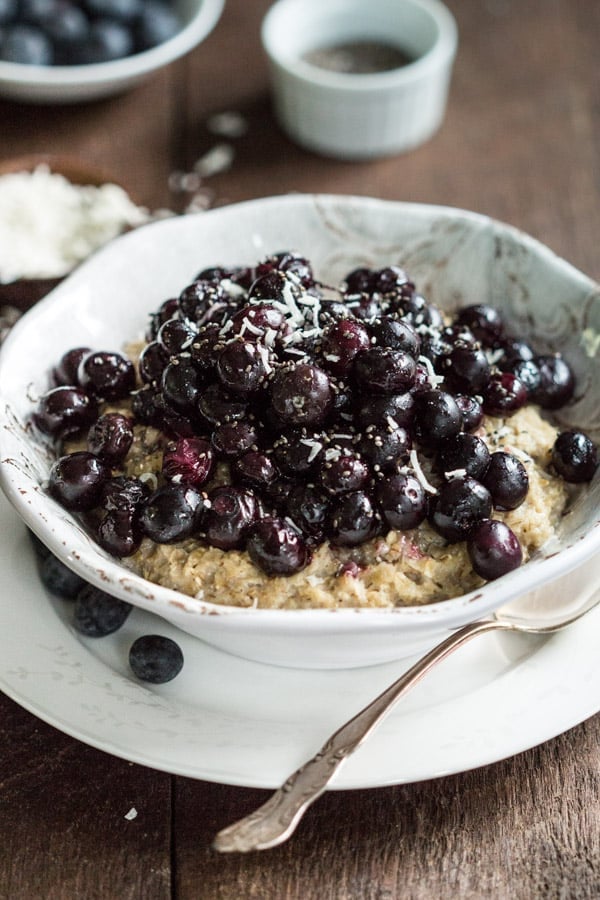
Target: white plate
[{"x": 228, "y": 720}]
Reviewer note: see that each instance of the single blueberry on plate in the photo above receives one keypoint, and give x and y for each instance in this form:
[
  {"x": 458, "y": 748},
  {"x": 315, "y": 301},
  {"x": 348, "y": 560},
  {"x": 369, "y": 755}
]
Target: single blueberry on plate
[
  {"x": 98, "y": 613},
  {"x": 155, "y": 658},
  {"x": 59, "y": 579}
]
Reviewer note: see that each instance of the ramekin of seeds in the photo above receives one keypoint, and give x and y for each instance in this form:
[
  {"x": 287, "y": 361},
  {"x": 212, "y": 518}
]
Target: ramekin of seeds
[{"x": 337, "y": 424}]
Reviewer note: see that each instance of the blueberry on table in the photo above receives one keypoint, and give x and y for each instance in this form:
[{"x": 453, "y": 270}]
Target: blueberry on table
[
  {"x": 155, "y": 658},
  {"x": 59, "y": 579},
  {"x": 574, "y": 456},
  {"x": 98, "y": 613}
]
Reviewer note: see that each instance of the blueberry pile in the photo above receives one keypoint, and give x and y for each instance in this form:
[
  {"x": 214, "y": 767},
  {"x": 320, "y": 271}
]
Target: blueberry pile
[
  {"x": 329, "y": 415},
  {"x": 80, "y": 32},
  {"x": 153, "y": 658}
]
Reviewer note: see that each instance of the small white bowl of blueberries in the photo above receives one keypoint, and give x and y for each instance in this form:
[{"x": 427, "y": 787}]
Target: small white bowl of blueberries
[{"x": 67, "y": 51}]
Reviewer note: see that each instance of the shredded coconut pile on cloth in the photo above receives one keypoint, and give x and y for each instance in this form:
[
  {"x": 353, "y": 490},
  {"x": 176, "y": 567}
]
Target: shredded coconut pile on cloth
[{"x": 48, "y": 225}]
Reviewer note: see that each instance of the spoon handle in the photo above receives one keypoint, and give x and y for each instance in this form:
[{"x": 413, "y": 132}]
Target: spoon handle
[{"x": 274, "y": 821}]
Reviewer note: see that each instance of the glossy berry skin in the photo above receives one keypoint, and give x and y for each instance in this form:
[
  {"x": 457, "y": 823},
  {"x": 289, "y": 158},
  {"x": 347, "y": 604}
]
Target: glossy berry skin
[
  {"x": 97, "y": 613},
  {"x": 484, "y": 321},
  {"x": 277, "y": 548},
  {"x": 575, "y": 457},
  {"x": 242, "y": 366},
  {"x": 119, "y": 532},
  {"x": 59, "y": 579},
  {"x": 464, "y": 451},
  {"x": 385, "y": 448},
  {"x": 384, "y": 371},
  {"x": 65, "y": 372},
  {"x": 436, "y": 417},
  {"x": 254, "y": 469},
  {"x": 189, "y": 461},
  {"x": 460, "y": 505},
  {"x": 342, "y": 341},
  {"x": 172, "y": 513},
  {"x": 392, "y": 410},
  {"x": 176, "y": 335},
  {"x": 307, "y": 506},
  {"x": 107, "y": 375},
  {"x": 402, "y": 501},
  {"x": 123, "y": 492},
  {"x": 232, "y": 439},
  {"x": 111, "y": 437},
  {"x": 466, "y": 369},
  {"x": 504, "y": 395},
  {"x": 231, "y": 512},
  {"x": 470, "y": 410},
  {"x": 77, "y": 479},
  {"x": 181, "y": 385},
  {"x": 506, "y": 479},
  {"x": 65, "y": 410},
  {"x": 352, "y": 519},
  {"x": 216, "y": 405},
  {"x": 301, "y": 395},
  {"x": 493, "y": 549},
  {"x": 395, "y": 334},
  {"x": 348, "y": 472},
  {"x": 155, "y": 658},
  {"x": 152, "y": 362},
  {"x": 557, "y": 382}
]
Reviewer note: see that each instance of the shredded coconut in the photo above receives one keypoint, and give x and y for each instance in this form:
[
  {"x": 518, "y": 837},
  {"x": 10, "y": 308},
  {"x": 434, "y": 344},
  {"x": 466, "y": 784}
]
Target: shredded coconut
[
  {"x": 414, "y": 459},
  {"x": 132, "y": 814},
  {"x": 48, "y": 225}
]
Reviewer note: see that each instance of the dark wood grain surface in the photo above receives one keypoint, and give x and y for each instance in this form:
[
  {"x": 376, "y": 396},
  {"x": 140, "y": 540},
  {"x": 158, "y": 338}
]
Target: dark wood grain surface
[{"x": 521, "y": 142}]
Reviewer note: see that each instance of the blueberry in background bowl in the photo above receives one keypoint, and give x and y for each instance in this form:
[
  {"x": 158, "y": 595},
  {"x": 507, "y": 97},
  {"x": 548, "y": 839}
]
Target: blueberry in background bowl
[{"x": 64, "y": 51}]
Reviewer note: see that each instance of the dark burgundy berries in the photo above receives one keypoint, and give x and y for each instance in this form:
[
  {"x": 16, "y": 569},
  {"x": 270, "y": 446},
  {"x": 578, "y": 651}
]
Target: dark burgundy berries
[
  {"x": 493, "y": 549},
  {"x": 77, "y": 479},
  {"x": 277, "y": 548},
  {"x": 506, "y": 479},
  {"x": 574, "y": 456},
  {"x": 172, "y": 513},
  {"x": 65, "y": 410},
  {"x": 302, "y": 394},
  {"x": 460, "y": 505},
  {"x": 289, "y": 415}
]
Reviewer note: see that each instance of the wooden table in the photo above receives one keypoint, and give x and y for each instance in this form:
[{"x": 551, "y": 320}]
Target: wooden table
[{"x": 521, "y": 142}]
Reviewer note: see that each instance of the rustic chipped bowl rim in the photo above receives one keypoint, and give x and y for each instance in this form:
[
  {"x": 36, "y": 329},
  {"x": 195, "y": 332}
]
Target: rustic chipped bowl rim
[{"x": 23, "y": 460}]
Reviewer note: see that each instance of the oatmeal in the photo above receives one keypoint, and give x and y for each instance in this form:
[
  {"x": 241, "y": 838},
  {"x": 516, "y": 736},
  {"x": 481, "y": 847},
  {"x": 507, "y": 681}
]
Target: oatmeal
[{"x": 278, "y": 443}]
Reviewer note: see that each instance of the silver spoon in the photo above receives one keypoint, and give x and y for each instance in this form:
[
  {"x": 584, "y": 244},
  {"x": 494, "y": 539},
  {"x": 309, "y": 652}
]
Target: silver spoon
[{"x": 273, "y": 822}]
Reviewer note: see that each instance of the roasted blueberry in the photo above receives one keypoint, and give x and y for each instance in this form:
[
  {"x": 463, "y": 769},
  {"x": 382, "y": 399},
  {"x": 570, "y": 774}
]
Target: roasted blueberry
[
  {"x": 436, "y": 416},
  {"x": 460, "y": 505},
  {"x": 384, "y": 371},
  {"x": 506, "y": 479},
  {"x": 504, "y": 395},
  {"x": 402, "y": 500},
  {"x": 64, "y": 410},
  {"x": 277, "y": 548},
  {"x": 466, "y": 452},
  {"x": 231, "y": 512},
  {"x": 77, "y": 479},
  {"x": 493, "y": 549},
  {"x": 352, "y": 519},
  {"x": 574, "y": 456},
  {"x": 110, "y": 376},
  {"x": 172, "y": 513},
  {"x": 189, "y": 461},
  {"x": 301, "y": 394},
  {"x": 557, "y": 382},
  {"x": 111, "y": 437}
]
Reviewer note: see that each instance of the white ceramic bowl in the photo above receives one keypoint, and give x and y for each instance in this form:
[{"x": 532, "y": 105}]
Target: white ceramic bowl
[
  {"x": 456, "y": 258},
  {"x": 74, "y": 84},
  {"x": 360, "y": 116}
]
